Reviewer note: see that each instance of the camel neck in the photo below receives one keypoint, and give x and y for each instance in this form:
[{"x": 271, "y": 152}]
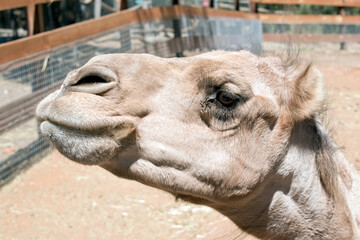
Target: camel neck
[
  {"x": 296, "y": 203},
  {"x": 307, "y": 210}
]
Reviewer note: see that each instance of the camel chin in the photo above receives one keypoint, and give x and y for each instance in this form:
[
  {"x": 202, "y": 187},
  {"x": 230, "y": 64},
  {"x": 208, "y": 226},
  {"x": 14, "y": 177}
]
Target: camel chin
[{"x": 80, "y": 146}]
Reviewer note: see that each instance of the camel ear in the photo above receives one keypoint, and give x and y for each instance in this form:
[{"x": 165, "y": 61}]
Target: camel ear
[{"x": 307, "y": 94}]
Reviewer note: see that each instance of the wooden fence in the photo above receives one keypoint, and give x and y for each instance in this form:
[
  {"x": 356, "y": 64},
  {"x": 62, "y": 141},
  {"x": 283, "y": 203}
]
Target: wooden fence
[
  {"x": 31, "y": 6},
  {"x": 65, "y": 35},
  {"x": 337, "y": 3}
]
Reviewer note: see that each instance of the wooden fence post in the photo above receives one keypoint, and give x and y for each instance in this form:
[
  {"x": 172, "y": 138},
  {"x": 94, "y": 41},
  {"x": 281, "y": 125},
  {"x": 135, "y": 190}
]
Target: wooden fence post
[
  {"x": 118, "y": 5},
  {"x": 39, "y": 19},
  {"x": 123, "y": 5},
  {"x": 236, "y": 5},
  {"x": 254, "y": 7},
  {"x": 30, "y": 12}
]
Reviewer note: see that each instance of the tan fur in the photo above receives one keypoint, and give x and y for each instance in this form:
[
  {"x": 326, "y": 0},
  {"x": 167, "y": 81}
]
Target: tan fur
[
  {"x": 306, "y": 96},
  {"x": 234, "y": 131}
]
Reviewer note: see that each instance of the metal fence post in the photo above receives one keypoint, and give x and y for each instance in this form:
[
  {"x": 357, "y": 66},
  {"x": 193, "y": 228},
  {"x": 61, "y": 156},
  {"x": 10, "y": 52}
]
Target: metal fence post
[
  {"x": 77, "y": 11},
  {"x": 341, "y": 11},
  {"x": 97, "y": 8},
  {"x": 63, "y": 13},
  {"x": 177, "y": 32}
]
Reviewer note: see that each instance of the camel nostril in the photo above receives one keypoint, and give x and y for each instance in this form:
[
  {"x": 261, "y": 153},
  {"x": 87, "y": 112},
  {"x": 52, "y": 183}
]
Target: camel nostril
[
  {"x": 90, "y": 80},
  {"x": 92, "y": 84}
]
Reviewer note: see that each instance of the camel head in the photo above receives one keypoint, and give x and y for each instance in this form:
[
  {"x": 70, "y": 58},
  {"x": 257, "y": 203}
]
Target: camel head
[{"x": 208, "y": 129}]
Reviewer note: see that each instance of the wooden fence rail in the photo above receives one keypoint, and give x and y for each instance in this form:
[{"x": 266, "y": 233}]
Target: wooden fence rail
[
  {"x": 31, "y": 6},
  {"x": 10, "y": 4},
  {"x": 67, "y": 35},
  {"x": 122, "y": 4},
  {"x": 30, "y": 9},
  {"x": 338, "y": 3}
]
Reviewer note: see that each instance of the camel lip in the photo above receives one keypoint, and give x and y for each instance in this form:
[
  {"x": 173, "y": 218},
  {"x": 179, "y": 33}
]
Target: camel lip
[
  {"x": 75, "y": 145},
  {"x": 71, "y": 127},
  {"x": 47, "y": 127},
  {"x": 118, "y": 123}
]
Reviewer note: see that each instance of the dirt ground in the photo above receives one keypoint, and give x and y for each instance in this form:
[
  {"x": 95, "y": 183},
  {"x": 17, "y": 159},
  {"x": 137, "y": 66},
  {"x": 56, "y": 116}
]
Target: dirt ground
[{"x": 59, "y": 199}]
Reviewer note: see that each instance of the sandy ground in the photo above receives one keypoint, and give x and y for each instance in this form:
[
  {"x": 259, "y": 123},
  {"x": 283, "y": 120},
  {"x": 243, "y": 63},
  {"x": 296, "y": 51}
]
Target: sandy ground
[
  {"x": 18, "y": 138},
  {"x": 58, "y": 199}
]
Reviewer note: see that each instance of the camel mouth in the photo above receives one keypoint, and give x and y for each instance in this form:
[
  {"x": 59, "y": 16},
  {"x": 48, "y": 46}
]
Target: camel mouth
[
  {"x": 91, "y": 123},
  {"x": 85, "y": 127},
  {"x": 87, "y": 148}
]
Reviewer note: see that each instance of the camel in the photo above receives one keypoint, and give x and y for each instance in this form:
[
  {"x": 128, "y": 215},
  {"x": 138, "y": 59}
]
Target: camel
[{"x": 234, "y": 131}]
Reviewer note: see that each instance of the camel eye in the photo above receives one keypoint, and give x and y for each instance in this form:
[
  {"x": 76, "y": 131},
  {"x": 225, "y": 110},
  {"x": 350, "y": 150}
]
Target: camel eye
[{"x": 225, "y": 98}]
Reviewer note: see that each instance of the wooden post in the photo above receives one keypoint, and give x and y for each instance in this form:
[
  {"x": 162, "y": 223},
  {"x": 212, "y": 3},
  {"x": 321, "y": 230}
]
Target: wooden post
[
  {"x": 30, "y": 12},
  {"x": 123, "y": 5},
  {"x": 236, "y": 5},
  {"x": 175, "y": 2},
  {"x": 39, "y": 19},
  {"x": 117, "y": 5},
  {"x": 254, "y": 7},
  {"x": 211, "y": 3}
]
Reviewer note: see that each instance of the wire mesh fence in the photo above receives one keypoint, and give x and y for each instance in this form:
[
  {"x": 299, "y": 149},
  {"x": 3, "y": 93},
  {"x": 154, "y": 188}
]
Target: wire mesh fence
[
  {"x": 25, "y": 82},
  {"x": 311, "y": 28}
]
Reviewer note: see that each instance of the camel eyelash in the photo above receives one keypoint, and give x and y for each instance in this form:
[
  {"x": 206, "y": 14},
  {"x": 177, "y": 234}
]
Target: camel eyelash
[
  {"x": 225, "y": 99},
  {"x": 215, "y": 110}
]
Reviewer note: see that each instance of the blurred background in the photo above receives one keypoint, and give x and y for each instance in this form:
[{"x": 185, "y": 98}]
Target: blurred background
[{"x": 45, "y": 196}]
